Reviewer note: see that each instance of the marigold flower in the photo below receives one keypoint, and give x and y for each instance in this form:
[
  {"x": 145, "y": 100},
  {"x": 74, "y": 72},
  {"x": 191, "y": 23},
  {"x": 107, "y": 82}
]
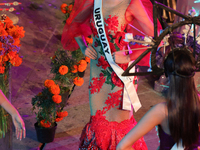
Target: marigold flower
[
  {"x": 75, "y": 69},
  {"x": 1, "y": 46},
  {"x": 58, "y": 119},
  {"x": 70, "y": 7},
  {"x": 87, "y": 59},
  {"x": 81, "y": 68},
  {"x": 63, "y": 8},
  {"x": 45, "y": 123},
  {"x": 55, "y": 89},
  {"x": 78, "y": 81},
  {"x": 63, "y": 70},
  {"x": 53, "y": 57},
  {"x": 16, "y": 32},
  {"x": 82, "y": 65},
  {"x": 89, "y": 40},
  {"x": 8, "y": 23},
  {"x": 3, "y": 31},
  {"x": 5, "y": 58},
  {"x": 2, "y": 69},
  {"x": 17, "y": 42},
  {"x": 39, "y": 94},
  {"x": 16, "y": 61},
  {"x": 49, "y": 83},
  {"x": 57, "y": 98},
  {"x": 62, "y": 114},
  {"x": 12, "y": 54},
  {"x": 82, "y": 62},
  {"x": 1, "y": 59}
]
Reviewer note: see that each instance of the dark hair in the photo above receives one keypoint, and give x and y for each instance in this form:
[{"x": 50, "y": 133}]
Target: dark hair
[{"x": 182, "y": 101}]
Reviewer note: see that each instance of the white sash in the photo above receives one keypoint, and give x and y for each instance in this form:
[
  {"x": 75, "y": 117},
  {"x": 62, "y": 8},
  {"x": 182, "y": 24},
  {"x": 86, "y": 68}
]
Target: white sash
[{"x": 129, "y": 93}]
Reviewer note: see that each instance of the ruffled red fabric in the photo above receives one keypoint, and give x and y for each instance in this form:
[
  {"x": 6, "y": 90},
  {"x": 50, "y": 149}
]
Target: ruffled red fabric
[
  {"x": 78, "y": 24},
  {"x": 100, "y": 134},
  {"x": 149, "y": 9}
]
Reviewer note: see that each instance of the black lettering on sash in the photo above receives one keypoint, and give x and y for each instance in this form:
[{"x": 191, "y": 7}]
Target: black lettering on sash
[
  {"x": 97, "y": 14},
  {"x": 97, "y": 17},
  {"x": 102, "y": 37},
  {"x": 100, "y": 31},
  {"x": 98, "y": 23},
  {"x": 104, "y": 45},
  {"x": 107, "y": 51},
  {"x": 97, "y": 10}
]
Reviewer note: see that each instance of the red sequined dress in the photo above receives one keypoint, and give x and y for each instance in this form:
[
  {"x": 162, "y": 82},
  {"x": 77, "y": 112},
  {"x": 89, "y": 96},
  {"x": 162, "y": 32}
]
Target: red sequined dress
[{"x": 108, "y": 123}]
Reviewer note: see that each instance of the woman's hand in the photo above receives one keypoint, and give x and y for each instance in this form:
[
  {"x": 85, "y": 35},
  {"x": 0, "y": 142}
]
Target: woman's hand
[
  {"x": 19, "y": 126},
  {"x": 91, "y": 52},
  {"x": 121, "y": 58},
  {"x": 88, "y": 51}
]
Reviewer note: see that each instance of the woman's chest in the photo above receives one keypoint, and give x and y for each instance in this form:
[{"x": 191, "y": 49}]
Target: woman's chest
[{"x": 114, "y": 14}]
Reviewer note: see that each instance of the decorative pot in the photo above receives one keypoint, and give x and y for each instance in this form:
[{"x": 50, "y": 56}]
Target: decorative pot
[
  {"x": 45, "y": 135},
  {"x": 81, "y": 74}
]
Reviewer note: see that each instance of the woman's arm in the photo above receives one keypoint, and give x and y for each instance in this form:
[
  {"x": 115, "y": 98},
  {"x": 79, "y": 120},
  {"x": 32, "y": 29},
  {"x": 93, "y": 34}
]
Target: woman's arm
[
  {"x": 152, "y": 118},
  {"x": 88, "y": 51},
  {"x": 16, "y": 118}
]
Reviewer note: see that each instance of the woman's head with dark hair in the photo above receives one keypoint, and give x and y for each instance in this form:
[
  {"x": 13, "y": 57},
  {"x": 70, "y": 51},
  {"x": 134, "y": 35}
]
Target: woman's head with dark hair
[
  {"x": 182, "y": 101},
  {"x": 180, "y": 62}
]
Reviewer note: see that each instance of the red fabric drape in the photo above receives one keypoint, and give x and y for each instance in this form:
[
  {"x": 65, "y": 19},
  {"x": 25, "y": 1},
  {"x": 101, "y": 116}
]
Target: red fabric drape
[{"x": 79, "y": 24}]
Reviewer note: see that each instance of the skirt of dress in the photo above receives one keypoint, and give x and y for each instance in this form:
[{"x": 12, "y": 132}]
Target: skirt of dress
[{"x": 100, "y": 134}]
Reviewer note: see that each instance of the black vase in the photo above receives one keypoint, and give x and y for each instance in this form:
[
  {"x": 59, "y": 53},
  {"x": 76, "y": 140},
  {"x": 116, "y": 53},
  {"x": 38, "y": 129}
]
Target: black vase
[
  {"x": 45, "y": 135},
  {"x": 81, "y": 74}
]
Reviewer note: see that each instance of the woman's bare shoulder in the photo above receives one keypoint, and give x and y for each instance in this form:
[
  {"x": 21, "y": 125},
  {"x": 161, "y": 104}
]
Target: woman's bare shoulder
[
  {"x": 162, "y": 105},
  {"x": 161, "y": 108}
]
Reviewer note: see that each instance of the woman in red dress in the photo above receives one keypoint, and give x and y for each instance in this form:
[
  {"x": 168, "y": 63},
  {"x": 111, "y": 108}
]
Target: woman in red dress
[{"x": 109, "y": 122}]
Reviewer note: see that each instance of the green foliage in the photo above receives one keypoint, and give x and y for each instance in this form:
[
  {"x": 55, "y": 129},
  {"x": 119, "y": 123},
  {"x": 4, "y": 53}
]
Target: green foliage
[
  {"x": 44, "y": 107},
  {"x": 77, "y": 55},
  {"x": 60, "y": 58}
]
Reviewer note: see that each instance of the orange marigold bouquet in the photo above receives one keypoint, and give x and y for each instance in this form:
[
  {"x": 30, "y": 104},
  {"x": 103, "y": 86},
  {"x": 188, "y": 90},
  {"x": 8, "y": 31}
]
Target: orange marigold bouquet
[
  {"x": 67, "y": 68},
  {"x": 48, "y": 105},
  {"x": 9, "y": 43},
  {"x": 10, "y": 36}
]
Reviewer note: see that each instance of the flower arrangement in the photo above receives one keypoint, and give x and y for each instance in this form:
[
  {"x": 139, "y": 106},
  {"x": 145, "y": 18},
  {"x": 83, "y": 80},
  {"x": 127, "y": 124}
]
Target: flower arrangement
[
  {"x": 9, "y": 56},
  {"x": 48, "y": 105},
  {"x": 66, "y": 9},
  {"x": 68, "y": 69},
  {"x": 9, "y": 43}
]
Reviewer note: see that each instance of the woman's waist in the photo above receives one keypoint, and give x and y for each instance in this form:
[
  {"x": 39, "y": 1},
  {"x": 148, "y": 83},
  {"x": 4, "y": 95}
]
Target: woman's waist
[
  {"x": 111, "y": 114},
  {"x": 102, "y": 120}
]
